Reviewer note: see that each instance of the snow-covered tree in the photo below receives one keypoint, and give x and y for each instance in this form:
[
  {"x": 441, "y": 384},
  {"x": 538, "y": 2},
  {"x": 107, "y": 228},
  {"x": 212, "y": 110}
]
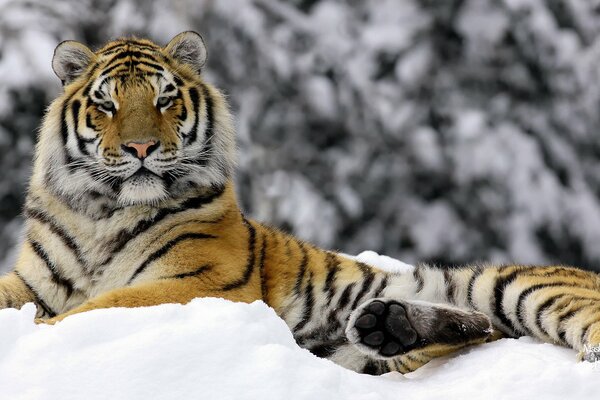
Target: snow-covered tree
[{"x": 447, "y": 131}]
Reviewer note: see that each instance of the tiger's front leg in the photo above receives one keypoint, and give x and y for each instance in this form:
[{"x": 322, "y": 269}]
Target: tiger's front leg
[
  {"x": 177, "y": 290},
  {"x": 15, "y": 292}
]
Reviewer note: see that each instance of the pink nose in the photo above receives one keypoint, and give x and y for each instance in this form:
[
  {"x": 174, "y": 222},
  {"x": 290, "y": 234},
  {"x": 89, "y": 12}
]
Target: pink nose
[{"x": 140, "y": 150}]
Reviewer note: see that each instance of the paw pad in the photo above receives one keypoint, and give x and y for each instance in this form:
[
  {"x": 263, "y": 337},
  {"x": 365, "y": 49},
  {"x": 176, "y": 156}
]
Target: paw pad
[{"x": 385, "y": 328}]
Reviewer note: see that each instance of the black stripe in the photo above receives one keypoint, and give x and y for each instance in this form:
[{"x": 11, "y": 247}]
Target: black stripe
[
  {"x": 403, "y": 368},
  {"x": 585, "y": 302},
  {"x": 564, "y": 318},
  {"x": 333, "y": 266},
  {"x": 471, "y": 286},
  {"x": 325, "y": 350},
  {"x": 345, "y": 297},
  {"x": 166, "y": 248},
  {"x": 332, "y": 318},
  {"x": 126, "y": 45},
  {"x": 147, "y": 64},
  {"x": 414, "y": 358},
  {"x": 134, "y": 56},
  {"x": 371, "y": 368},
  {"x": 526, "y": 293},
  {"x": 64, "y": 130},
  {"x": 89, "y": 123},
  {"x": 499, "y": 288},
  {"x": 209, "y": 131},
  {"x": 67, "y": 240},
  {"x": 382, "y": 285},
  {"x": 261, "y": 268},
  {"x": 418, "y": 278},
  {"x": 184, "y": 113},
  {"x": 196, "y": 272},
  {"x": 450, "y": 286},
  {"x": 301, "y": 268},
  {"x": 88, "y": 88},
  {"x": 367, "y": 282},
  {"x": 107, "y": 71},
  {"x": 129, "y": 54},
  {"x": 243, "y": 280},
  {"x": 195, "y": 99},
  {"x": 56, "y": 276},
  {"x": 309, "y": 303},
  {"x": 585, "y": 331},
  {"x": 567, "y": 314},
  {"x": 114, "y": 48},
  {"x": 75, "y": 107},
  {"x": 206, "y": 198},
  {"x": 543, "y": 307},
  {"x": 38, "y": 300},
  {"x": 125, "y": 236},
  {"x": 562, "y": 336}
]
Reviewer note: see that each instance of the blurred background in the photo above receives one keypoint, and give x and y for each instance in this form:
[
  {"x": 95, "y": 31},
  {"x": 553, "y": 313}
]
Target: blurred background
[{"x": 446, "y": 131}]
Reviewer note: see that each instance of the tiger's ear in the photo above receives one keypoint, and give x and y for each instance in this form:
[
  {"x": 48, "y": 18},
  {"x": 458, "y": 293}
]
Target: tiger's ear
[
  {"x": 188, "y": 48},
  {"x": 70, "y": 60}
]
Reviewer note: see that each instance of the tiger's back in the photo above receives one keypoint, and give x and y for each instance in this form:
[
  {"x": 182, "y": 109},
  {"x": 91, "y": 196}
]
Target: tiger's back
[{"x": 132, "y": 203}]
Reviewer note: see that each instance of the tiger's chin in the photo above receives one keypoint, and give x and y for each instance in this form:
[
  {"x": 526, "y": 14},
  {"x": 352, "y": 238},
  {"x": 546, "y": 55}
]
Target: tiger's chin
[{"x": 145, "y": 189}]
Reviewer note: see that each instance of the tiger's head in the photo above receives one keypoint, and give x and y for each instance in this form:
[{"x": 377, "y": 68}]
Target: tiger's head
[{"x": 136, "y": 123}]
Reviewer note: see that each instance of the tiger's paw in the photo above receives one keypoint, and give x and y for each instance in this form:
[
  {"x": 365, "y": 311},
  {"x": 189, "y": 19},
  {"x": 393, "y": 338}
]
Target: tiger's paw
[
  {"x": 386, "y": 328},
  {"x": 382, "y": 326}
]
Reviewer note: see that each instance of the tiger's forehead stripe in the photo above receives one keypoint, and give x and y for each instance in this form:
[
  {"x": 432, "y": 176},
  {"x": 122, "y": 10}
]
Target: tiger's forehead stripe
[
  {"x": 126, "y": 56},
  {"x": 131, "y": 58},
  {"x": 114, "y": 47}
]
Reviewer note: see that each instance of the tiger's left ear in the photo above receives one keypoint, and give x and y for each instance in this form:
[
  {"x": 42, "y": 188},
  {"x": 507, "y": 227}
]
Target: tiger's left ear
[
  {"x": 70, "y": 60},
  {"x": 188, "y": 48}
]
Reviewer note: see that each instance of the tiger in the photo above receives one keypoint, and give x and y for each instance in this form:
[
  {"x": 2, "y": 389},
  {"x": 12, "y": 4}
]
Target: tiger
[{"x": 132, "y": 203}]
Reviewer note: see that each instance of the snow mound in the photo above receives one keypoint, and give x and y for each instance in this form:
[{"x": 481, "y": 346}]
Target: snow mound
[
  {"x": 216, "y": 349},
  {"x": 384, "y": 263}
]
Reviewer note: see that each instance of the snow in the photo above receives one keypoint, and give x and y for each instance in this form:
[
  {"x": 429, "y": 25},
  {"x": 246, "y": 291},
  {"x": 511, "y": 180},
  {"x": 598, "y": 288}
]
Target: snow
[
  {"x": 216, "y": 349},
  {"x": 384, "y": 263}
]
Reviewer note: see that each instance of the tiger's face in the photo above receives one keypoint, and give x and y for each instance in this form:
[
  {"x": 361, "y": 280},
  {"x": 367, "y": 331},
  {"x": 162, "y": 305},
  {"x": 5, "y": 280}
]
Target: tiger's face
[{"x": 137, "y": 122}]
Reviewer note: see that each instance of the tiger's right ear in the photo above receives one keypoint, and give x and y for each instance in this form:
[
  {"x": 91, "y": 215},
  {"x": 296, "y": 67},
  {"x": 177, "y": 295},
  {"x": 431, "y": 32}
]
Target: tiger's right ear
[
  {"x": 70, "y": 60},
  {"x": 188, "y": 48}
]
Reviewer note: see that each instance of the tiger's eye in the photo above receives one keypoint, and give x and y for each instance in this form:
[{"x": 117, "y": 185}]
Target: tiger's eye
[
  {"x": 163, "y": 101},
  {"x": 107, "y": 106}
]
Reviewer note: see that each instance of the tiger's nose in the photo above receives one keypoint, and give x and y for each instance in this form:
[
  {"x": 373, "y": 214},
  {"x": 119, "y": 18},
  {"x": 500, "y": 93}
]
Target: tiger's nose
[{"x": 140, "y": 150}]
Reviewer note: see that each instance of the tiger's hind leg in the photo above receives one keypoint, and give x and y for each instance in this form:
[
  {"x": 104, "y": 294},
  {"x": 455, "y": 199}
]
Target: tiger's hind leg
[
  {"x": 385, "y": 328},
  {"x": 559, "y": 305},
  {"x": 569, "y": 317}
]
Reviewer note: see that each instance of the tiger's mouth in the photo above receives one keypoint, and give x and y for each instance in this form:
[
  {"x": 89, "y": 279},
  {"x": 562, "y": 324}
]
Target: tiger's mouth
[
  {"x": 143, "y": 187},
  {"x": 143, "y": 173}
]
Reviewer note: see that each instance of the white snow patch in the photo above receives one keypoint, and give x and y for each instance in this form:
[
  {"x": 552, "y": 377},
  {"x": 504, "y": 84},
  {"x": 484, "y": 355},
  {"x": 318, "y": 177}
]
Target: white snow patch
[
  {"x": 216, "y": 349},
  {"x": 384, "y": 263}
]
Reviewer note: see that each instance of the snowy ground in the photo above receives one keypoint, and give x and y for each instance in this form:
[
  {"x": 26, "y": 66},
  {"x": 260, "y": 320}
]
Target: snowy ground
[{"x": 215, "y": 349}]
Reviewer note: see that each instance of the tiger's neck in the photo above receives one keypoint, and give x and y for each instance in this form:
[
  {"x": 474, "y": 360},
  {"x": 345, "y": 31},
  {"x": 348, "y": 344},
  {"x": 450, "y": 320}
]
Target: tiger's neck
[
  {"x": 97, "y": 241},
  {"x": 97, "y": 206}
]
